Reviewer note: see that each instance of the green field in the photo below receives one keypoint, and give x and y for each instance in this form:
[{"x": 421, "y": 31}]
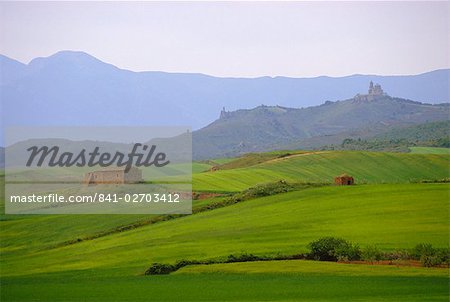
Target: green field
[
  {"x": 385, "y": 210},
  {"x": 322, "y": 166},
  {"x": 429, "y": 150},
  {"x": 313, "y": 268},
  {"x": 406, "y": 284}
]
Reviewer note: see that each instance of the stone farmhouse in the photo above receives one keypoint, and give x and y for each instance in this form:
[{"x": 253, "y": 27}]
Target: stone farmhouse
[{"x": 113, "y": 176}]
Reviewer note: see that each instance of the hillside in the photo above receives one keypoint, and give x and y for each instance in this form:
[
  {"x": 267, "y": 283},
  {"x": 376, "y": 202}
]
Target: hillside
[
  {"x": 237, "y": 175},
  {"x": 396, "y": 215},
  {"x": 399, "y": 139},
  {"x": 390, "y": 216},
  {"x": 322, "y": 166},
  {"x": 435, "y": 134},
  {"x": 268, "y": 128},
  {"x": 283, "y": 223}
]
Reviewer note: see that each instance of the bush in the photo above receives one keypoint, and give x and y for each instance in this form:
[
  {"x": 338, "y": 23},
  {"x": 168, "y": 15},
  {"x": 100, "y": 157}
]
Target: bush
[
  {"x": 445, "y": 255},
  {"x": 371, "y": 253},
  {"x": 160, "y": 269},
  {"x": 430, "y": 260},
  {"x": 423, "y": 249},
  {"x": 334, "y": 249},
  {"x": 348, "y": 252},
  {"x": 244, "y": 258},
  {"x": 267, "y": 189},
  {"x": 429, "y": 256},
  {"x": 397, "y": 255},
  {"x": 182, "y": 263}
]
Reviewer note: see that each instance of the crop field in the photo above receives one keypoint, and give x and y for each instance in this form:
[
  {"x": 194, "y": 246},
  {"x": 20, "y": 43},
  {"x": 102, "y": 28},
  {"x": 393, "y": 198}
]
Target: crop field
[
  {"x": 388, "y": 208},
  {"x": 312, "y": 267},
  {"x": 313, "y": 284},
  {"x": 322, "y": 166},
  {"x": 429, "y": 150}
]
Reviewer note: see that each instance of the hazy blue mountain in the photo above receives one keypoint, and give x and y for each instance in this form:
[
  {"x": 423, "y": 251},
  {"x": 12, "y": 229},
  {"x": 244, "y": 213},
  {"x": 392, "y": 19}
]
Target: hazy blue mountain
[
  {"x": 74, "y": 88},
  {"x": 11, "y": 70},
  {"x": 274, "y": 127}
]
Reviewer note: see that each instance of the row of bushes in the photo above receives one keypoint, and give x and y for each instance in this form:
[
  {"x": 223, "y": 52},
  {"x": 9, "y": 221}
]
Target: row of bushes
[
  {"x": 338, "y": 249},
  {"x": 261, "y": 190},
  {"x": 272, "y": 188},
  {"x": 429, "y": 181},
  {"x": 326, "y": 249},
  {"x": 163, "y": 268}
]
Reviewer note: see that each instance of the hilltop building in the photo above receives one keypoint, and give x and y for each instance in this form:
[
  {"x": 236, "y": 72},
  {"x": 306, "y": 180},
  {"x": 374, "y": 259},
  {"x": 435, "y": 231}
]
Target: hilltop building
[
  {"x": 375, "y": 92},
  {"x": 224, "y": 113},
  {"x": 113, "y": 176}
]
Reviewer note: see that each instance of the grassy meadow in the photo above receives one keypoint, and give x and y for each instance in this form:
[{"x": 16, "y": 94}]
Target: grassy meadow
[
  {"x": 219, "y": 286},
  {"x": 322, "y": 166},
  {"x": 389, "y": 208},
  {"x": 429, "y": 150}
]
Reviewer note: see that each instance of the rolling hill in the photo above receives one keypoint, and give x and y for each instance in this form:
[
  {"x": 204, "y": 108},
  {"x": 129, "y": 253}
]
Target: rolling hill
[
  {"x": 322, "y": 166},
  {"x": 397, "y": 139},
  {"x": 391, "y": 216},
  {"x": 388, "y": 211},
  {"x": 385, "y": 215},
  {"x": 428, "y": 133},
  {"x": 269, "y": 128},
  {"x": 234, "y": 176}
]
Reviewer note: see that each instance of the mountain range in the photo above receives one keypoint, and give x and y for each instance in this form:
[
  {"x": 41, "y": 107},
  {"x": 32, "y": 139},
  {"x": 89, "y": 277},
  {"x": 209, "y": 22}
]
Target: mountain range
[{"x": 74, "y": 88}]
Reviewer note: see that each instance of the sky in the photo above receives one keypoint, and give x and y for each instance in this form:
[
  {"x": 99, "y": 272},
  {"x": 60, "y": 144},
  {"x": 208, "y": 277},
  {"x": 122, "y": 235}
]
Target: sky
[{"x": 236, "y": 39}]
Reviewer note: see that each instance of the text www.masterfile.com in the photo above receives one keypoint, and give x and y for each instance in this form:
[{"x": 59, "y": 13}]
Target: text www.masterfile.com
[{"x": 97, "y": 198}]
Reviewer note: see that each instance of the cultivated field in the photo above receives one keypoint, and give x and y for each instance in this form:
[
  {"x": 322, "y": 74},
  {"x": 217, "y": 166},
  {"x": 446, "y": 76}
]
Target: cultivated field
[
  {"x": 388, "y": 208},
  {"x": 322, "y": 166},
  {"x": 429, "y": 150}
]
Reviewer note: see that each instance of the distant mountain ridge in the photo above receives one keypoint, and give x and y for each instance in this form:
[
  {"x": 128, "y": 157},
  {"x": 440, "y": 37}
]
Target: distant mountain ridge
[
  {"x": 274, "y": 127},
  {"x": 74, "y": 88}
]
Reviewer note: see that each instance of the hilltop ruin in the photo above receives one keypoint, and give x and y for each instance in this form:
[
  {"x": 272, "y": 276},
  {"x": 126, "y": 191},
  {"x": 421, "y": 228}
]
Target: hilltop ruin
[{"x": 374, "y": 92}]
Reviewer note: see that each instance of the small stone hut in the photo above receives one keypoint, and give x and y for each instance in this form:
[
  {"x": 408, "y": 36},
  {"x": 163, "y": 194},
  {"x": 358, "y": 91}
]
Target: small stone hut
[
  {"x": 344, "y": 180},
  {"x": 113, "y": 176}
]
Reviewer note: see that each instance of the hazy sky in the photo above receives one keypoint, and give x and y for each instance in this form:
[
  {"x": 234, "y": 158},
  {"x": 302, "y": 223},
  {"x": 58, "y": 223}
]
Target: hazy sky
[{"x": 236, "y": 38}]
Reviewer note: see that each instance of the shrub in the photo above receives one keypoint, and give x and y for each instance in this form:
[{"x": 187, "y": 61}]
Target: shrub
[
  {"x": 423, "y": 249},
  {"x": 397, "y": 255},
  {"x": 445, "y": 255},
  {"x": 160, "y": 269},
  {"x": 243, "y": 258},
  {"x": 429, "y": 256},
  {"x": 182, "y": 263},
  {"x": 333, "y": 249},
  {"x": 348, "y": 252},
  {"x": 267, "y": 189},
  {"x": 430, "y": 260},
  {"x": 371, "y": 253}
]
